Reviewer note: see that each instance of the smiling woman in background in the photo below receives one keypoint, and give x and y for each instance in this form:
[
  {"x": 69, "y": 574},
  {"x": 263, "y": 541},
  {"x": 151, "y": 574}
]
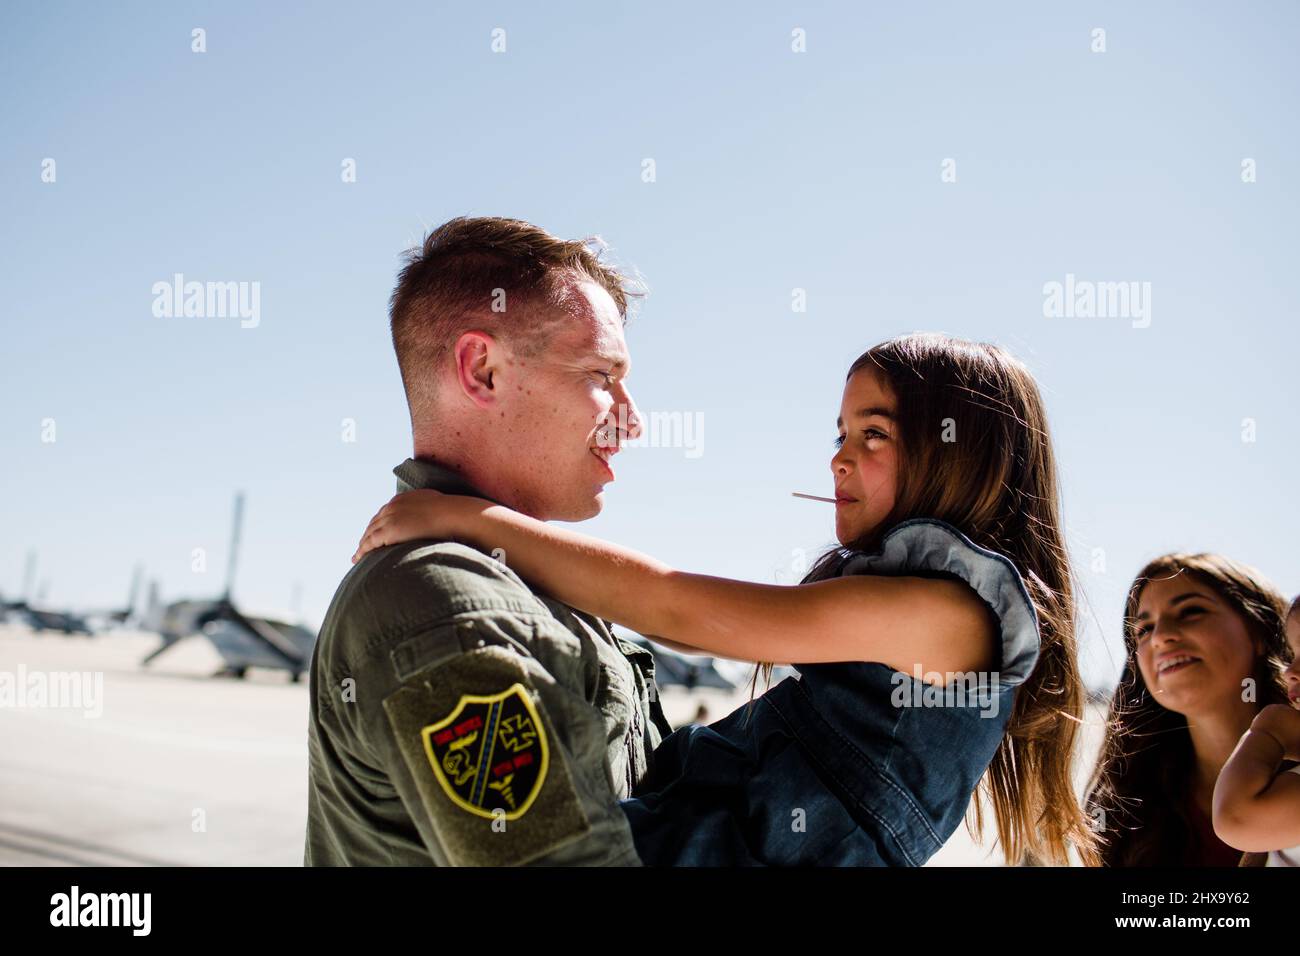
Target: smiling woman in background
[{"x": 1206, "y": 648}]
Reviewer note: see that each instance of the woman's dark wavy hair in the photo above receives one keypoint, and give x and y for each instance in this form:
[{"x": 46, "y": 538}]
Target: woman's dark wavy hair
[
  {"x": 1139, "y": 791},
  {"x": 997, "y": 483}
]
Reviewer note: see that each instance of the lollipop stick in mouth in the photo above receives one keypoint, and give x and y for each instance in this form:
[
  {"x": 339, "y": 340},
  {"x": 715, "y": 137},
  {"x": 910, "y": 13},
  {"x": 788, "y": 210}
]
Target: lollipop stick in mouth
[{"x": 800, "y": 494}]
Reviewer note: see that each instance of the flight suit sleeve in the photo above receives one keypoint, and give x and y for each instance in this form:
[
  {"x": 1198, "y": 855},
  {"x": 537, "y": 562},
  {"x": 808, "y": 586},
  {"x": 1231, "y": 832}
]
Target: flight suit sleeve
[{"x": 497, "y": 762}]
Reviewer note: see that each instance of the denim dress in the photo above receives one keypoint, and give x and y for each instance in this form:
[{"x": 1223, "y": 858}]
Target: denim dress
[{"x": 849, "y": 764}]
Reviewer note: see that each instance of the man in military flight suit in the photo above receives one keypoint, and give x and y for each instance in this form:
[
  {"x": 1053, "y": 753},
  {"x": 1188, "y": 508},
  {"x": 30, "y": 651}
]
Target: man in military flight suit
[{"x": 457, "y": 717}]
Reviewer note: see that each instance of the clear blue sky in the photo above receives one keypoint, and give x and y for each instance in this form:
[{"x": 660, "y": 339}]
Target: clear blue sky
[{"x": 775, "y": 170}]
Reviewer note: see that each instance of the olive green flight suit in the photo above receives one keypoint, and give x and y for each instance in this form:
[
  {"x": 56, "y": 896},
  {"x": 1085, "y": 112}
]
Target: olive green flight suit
[{"x": 458, "y": 718}]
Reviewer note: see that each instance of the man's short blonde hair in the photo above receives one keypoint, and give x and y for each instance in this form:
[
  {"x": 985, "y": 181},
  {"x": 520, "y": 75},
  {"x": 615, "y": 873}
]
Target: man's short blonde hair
[{"x": 507, "y": 277}]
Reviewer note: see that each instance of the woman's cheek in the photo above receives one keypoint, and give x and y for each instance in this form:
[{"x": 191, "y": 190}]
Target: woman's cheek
[{"x": 1144, "y": 666}]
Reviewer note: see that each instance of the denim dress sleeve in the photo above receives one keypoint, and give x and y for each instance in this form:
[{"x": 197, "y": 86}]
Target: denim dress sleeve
[{"x": 849, "y": 764}]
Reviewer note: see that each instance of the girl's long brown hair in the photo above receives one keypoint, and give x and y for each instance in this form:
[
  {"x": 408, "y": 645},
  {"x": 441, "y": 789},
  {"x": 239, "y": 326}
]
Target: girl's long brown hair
[
  {"x": 974, "y": 451},
  {"x": 1140, "y": 789}
]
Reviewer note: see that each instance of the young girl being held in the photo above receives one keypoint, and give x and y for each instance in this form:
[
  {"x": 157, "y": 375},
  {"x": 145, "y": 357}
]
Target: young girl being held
[{"x": 951, "y": 565}]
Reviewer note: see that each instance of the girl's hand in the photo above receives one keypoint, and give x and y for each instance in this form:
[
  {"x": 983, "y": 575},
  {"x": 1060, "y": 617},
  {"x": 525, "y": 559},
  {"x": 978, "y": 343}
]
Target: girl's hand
[
  {"x": 1283, "y": 723},
  {"x": 421, "y": 513}
]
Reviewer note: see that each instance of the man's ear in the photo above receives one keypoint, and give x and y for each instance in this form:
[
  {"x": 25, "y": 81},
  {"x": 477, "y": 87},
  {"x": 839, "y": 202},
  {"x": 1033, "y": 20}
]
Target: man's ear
[{"x": 476, "y": 356}]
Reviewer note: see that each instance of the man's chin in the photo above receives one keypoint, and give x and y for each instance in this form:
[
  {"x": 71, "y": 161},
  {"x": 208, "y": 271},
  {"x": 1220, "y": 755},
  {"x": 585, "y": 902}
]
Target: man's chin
[
  {"x": 580, "y": 510},
  {"x": 595, "y": 506}
]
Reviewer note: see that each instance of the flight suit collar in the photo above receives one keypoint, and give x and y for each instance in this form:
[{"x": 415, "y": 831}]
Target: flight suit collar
[{"x": 424, "y": 473}]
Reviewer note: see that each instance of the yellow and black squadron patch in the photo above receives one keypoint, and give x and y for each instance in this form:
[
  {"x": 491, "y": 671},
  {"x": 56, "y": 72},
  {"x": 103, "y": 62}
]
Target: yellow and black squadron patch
[{"x": 490, "y": 754}]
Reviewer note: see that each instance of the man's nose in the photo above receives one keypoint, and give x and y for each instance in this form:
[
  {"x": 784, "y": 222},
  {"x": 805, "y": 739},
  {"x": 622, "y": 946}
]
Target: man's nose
[{"x": 629, "y": 416}]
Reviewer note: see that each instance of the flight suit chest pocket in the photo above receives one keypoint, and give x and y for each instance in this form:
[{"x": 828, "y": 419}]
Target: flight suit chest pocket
[
  {"x": 617, "y": 694},
  {"x": 431, "y": 647},
  {"x": 556, "y": 650}
]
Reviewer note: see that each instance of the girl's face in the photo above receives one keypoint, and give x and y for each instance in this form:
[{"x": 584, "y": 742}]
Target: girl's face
[
  {"x": 1193, "y": 647},
  {"x": 1292, "y": 673},
  {"x": 865, "y": 468}
]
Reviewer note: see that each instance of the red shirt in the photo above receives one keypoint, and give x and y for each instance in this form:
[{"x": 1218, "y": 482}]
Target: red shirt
[{"x": 1205, "y": 848}]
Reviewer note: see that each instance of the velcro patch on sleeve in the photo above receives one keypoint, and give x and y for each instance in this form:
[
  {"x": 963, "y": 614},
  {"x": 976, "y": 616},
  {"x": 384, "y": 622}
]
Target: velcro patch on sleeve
[{"x": 481, "y": 750}]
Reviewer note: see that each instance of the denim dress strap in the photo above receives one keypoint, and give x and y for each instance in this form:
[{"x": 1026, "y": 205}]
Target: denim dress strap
[{"x": 927, "y": 544}]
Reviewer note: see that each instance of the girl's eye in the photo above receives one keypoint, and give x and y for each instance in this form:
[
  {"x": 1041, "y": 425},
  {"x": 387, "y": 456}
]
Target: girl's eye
[
  {"x": 872, "y": 434},
  {"x": 1142, "y": 631}
]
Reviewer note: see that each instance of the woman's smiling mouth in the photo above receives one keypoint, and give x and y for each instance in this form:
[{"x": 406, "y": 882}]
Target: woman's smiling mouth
[{"x": 1176, "y": 662}]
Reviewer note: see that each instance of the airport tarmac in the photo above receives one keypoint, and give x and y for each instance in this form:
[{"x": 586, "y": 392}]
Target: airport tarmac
[{"x": 181, "y": 768}]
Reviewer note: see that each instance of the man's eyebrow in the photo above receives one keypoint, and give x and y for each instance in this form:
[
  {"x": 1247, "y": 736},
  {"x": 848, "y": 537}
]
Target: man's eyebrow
[
  {"x": 1181, "y": 597},
  {"x": 594, "y": 355},
  {"x": 867, "y": 413}
]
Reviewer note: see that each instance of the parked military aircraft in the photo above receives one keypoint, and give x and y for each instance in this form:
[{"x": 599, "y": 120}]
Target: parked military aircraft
[{"x": 242, "y": 640}]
